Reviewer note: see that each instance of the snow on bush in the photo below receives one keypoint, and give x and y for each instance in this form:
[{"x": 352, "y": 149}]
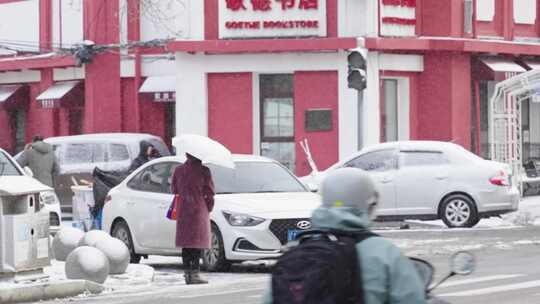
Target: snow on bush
[
  {"x": 117, "y": 253},
  {"x": 87, "y": 263},
  {"x": 65, "y": 241},
  {"x": 91, "y": 238}
]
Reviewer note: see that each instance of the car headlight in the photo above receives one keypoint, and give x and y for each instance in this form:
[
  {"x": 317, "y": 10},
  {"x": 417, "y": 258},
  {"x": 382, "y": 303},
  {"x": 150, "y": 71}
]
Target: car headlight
[
  {"x": 238, "y": 219},
  {"x": 48, "y": 198}
]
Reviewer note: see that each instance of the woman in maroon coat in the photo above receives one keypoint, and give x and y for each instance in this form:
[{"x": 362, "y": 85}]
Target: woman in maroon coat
[{"x": 193, "y": 182}]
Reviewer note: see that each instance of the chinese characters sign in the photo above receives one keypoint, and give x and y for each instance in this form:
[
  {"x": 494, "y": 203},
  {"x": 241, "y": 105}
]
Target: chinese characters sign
[{"x": 272, "y": 18}]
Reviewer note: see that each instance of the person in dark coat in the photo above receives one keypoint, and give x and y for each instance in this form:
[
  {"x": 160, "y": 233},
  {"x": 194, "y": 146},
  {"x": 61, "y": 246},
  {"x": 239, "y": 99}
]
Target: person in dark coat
[
  {"x": 39, "y": 157},
  {"x": 193, "y": 182},
  {"x": 146, "y": 152}
]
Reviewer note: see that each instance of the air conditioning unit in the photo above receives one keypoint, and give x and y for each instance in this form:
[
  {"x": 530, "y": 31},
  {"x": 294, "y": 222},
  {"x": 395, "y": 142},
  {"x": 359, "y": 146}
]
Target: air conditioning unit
[{"x": 468, "y": 12}]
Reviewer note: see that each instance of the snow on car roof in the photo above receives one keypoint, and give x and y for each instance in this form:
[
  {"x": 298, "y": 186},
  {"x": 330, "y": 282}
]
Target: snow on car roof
[
  {"x": 411, "y": 144},
  {"x": 407, "y": 145},
  {"x": 101, "y": 136},
  {"x": 426, "y": 144}
]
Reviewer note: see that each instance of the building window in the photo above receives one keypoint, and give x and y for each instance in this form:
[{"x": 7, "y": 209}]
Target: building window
[
  {"x": 530, "y": 130},
  {"x": 389, "y": 110},
  {"x": 525, "y": 12},
  {"x": 277, "y": 118}
]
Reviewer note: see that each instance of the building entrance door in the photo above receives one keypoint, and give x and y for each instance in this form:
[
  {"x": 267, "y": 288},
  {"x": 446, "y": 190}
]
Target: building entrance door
[
  {"x": 277, "y": 118},
  {"x": 19, "y": 129}
]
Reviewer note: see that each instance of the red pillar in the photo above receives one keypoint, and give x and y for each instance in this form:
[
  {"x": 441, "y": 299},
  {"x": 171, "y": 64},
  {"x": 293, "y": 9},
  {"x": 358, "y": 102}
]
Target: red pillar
[
  {"x": 134, "y": 34},
  {"x": 444, "y": 112},
  {"x": 103, "y": 106},
  {"x": 508, "y": 20},
  {"x": 40, "y": 121},
  {"x": 45, "y": 24}
]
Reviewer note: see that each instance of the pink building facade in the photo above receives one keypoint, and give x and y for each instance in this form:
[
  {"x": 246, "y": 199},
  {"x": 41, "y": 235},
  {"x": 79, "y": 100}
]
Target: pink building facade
[{"x": 260, "y": 76}]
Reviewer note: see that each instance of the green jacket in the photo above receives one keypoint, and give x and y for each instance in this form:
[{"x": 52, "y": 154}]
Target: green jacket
[
  {"x": 41, "y": 160},
  {"x": 388, "y": 276}
]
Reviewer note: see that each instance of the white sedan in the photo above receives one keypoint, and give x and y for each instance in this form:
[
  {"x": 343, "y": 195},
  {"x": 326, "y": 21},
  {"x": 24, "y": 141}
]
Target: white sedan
[
  {"x": 433, "y": 180},
  {"x": 259, "y": 207},
  {"x": 13, "y": 176}
]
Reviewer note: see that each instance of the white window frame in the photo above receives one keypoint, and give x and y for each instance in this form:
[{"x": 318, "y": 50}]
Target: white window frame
[
  {"x": 525, "y": 12},
  {"x": 403, "y": 104},
  {"x": 485, "y": 10}
]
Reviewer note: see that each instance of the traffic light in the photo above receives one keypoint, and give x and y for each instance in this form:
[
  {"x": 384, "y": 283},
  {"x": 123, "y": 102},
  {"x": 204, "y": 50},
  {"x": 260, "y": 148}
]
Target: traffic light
[{"x": 357, "y": 71}]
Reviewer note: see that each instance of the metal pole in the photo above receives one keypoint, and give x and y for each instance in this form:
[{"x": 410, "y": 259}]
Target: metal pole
[{"x": 360, "y": 120}]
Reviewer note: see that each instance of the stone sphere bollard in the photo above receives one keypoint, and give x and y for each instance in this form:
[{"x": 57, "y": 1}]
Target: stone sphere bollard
[
  {"x": 65, "y": 241},
  {"x": 87, "y": 263},
  {"x": 92, "y": 237},
  {"x": 117, "y": 253}
]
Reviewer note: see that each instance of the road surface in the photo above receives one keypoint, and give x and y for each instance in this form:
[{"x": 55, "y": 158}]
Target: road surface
[{"x": 508, "y": 271}]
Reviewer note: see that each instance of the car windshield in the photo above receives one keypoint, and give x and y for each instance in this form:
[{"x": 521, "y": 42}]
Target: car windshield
[
  {"x": 7, "y": 168},
  {"x": 255, "y": 177}
]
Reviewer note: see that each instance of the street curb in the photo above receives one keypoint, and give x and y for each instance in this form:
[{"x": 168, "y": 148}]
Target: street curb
[{"x": 48, "y": 291}]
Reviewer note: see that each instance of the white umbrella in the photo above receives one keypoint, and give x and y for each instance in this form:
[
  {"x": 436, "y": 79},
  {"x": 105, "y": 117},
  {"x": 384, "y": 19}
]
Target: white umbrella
[{"x": 207, "y": 150}]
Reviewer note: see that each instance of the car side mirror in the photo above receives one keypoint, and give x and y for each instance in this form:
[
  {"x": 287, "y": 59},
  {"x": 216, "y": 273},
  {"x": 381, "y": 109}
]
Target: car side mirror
[
  {"x": 28, "y": 171},
  {"x": 312, "y": 187}
]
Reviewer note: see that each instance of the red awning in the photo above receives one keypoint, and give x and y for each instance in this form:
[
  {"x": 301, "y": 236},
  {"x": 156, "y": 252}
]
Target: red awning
[
  {"x": 501, "y": 68},
  {"x": 163, "y": 88},
  {"x": 51, "y": 97},
  {"x": 532, "y": 64},
  {"x": 12, "y": 96}
]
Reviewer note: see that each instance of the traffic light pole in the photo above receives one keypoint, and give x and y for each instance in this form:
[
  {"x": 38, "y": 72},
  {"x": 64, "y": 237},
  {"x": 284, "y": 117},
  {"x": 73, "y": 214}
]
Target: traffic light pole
[{"x": 360, "y": 120}]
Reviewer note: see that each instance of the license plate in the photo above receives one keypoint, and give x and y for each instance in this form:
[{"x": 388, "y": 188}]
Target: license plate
[{"x": 292, "y": 233}]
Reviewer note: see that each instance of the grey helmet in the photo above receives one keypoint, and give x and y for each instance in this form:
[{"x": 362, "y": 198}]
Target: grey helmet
[{"x": 349, "y": 187}]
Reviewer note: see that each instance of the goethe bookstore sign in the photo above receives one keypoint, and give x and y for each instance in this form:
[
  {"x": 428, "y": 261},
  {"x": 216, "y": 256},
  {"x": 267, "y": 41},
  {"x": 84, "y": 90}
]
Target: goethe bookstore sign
[{"x": 272, "y": 18}]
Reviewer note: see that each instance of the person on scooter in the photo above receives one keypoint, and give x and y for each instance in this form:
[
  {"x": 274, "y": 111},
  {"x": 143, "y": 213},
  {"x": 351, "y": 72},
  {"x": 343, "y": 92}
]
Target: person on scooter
[{"x": 349, "y": 201}]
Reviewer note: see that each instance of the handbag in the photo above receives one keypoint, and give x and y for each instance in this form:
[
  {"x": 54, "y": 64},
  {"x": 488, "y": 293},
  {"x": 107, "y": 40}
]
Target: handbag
[{"x": 172, "y": 212}]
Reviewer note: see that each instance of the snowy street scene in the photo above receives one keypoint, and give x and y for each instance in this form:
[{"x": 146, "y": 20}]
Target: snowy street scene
[{"x": 270, "y": 151}]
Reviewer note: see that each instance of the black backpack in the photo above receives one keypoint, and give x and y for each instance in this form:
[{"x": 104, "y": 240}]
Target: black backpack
[{"x": 322, "y": 268}]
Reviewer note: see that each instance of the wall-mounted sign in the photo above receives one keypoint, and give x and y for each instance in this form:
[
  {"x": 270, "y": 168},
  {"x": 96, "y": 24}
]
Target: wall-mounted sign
[
  {"x": 317, "y": 120},
  {"x": 272, "y": 18},
  {"x": 165, "y": 96},
  {"x": 49, "y": 103}
]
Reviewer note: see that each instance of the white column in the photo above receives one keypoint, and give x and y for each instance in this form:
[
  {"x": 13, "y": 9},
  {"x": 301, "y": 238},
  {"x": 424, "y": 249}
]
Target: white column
[
  {"x": 353, "y": 18},
  {"x": 348, "y": 112},
  {"x": 372, "y": 18},
  {"x": 371, "y": 119},
  {"x": 404, "y": 108},
  {"x": 256, "y": 115},
  {"x": 195, "y": 30},
  {"x": 191, "y": 95}
]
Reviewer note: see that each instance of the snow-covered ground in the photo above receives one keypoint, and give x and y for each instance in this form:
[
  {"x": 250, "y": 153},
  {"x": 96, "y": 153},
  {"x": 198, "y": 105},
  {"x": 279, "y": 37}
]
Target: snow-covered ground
[{"x": 154, "y": 274}]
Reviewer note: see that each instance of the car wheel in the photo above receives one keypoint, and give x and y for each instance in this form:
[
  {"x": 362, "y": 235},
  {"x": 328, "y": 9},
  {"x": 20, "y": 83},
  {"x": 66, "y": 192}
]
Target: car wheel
[
  {"x": 121, "y": 231},
  {"x": 214, "y": 258},
  {"x": 459, "y": 211}
]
